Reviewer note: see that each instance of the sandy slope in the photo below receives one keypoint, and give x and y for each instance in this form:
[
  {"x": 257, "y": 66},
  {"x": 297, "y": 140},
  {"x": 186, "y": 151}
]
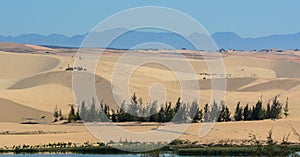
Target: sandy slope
[
  {"x": 43, "y": 89},
  {"x": 14, "y": 112},
  {"x": 31, "y": 86},
  {"x": 15, "y": 66},
  {"x": 38, "y": 47},
  {"x": 228, "y": 132}
]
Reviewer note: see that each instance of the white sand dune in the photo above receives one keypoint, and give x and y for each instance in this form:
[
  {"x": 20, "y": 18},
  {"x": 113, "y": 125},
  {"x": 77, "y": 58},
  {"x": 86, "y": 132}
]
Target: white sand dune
[
  {"x": 45, "y": 90},
  {"x": 44, "y": 97},
  {"x": 15, "y": 66},
  {"x": 283, "y": 69},
  {"x": 42, "y": 84},
  {"x": 63, "y": 78},
  {"x": 33, "y": 84},
  {"x": 278, "y": 84},
  {"x": 36, "y": 47},
  {"x": 14, "y": 112}
]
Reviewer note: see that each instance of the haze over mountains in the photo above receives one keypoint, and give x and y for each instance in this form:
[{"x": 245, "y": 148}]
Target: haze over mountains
[{"x": 226, "y": 40}]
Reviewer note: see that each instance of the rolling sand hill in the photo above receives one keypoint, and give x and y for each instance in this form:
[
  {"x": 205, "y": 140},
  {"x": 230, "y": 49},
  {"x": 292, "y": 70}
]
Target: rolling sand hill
[{"x": 31, "y": 85}]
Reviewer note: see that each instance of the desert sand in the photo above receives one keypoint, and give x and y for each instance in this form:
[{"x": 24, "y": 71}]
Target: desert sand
[{"x": 32, "y": 84}]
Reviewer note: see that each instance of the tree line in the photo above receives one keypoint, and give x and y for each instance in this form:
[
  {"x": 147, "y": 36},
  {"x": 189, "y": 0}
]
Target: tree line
[{"x": 181, "y": 112}]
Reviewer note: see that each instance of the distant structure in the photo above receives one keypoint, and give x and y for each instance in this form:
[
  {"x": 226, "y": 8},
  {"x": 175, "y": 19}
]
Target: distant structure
[
  {"x": 222, "y": 51},
  {"x": 79, "y": 68},
  {"x": 69, "y": 68}
]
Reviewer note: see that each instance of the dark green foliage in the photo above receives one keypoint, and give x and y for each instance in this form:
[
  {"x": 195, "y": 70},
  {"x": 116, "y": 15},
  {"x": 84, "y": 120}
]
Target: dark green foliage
[
  {"x": 196, "y": 112},
  {"x": 183, "y": 115},
  {"x": 268, "y": 111},
  {"x": 92, "y": 112},
  {"x": 177, "y": 142},
  {"x": 123, "y": 115},
  {"x": 247, "y": 114},
  {"x": 72, "y": 115},
  {"x": 77, "y": 115},
  {"x": 153, "y": 112},
  {"x": 180, "y": 113},
  {"x": 170, "y": 112},
  {"x": 206, "y": 113},
  {"x": 55, "y": 114},
  {"x": 214, "y": 112},
  {"x": 224, "y": 113},
  {"x": 238, "y": 115},
  {"x": 114, "y": 116},
  {"x": 177, "y": 106},
  {"x": 276, "y": 108},
  {"x": 83, "y": 111},
  {"x": 257, "y": 111},
  {"x": 227, "y": 114},
  {"x": 161, "y": 116},
  {"x": 286, "y": 108}
]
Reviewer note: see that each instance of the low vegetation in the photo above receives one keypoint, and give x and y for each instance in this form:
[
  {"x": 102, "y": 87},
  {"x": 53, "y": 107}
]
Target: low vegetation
[
  {"x": 178, "y": 147},
  {"x": 181, "y": 112}
]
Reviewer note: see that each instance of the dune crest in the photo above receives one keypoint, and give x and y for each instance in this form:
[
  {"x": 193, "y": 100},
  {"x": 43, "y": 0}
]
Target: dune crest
[{"x": 16, "y": 66}]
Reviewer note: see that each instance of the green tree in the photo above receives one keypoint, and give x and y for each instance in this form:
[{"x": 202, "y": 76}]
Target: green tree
[
  {"x": 195, "y": 112},
  {"x": 258, "y": 112},
  {"x": 276, "y": 108},
  {"x": 177, "y": 106},
  {"x": 153, "y": 112},
  {"x": 224, "y": 113},
  {"x": 214, "y": 112},
  {"x": 268, "y": 111},
  {"x": 227, "y": 114},
  {"x": 171, "y": 113},
  {"x": 77, "y": 114},
  {"x": 286, "y": 108},
  {"x": 206, "y": 113},
  {"x": 72, "y": 115},
  {"x": 59, "y": 113},
  {"x": 107, "y": 112},
  {"x": 83, "y": 111},
  {"x": 238, "y": 115},
  {"x": 114, "y": 116},
  {"x": 184, "y": 114},
  {"x": 161, "y": 115},
  {"x": 134, "y": 99},
  {"x": 55, "y": 113},
  {"x": 93, "y": 114},
  {"x": 247, "y": 114},
  {"x": 123, "y": 115},
  {"x": 221, "y": 117}
]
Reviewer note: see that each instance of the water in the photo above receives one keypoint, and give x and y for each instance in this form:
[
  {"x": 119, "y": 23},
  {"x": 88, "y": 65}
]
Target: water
[
  {"x": 76, "y": 155},
  {"x": 67, "y": 155}
]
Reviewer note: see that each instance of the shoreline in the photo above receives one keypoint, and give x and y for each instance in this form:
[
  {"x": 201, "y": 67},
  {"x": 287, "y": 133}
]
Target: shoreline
[{"x": 252, "y": 150}]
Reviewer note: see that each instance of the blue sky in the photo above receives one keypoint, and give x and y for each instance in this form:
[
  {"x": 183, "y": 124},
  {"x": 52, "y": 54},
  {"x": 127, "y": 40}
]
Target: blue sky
[{"x": 69, "y": 17}]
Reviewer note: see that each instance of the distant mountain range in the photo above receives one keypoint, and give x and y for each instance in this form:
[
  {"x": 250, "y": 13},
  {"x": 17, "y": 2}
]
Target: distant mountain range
[{"x": 226, "y": 40}]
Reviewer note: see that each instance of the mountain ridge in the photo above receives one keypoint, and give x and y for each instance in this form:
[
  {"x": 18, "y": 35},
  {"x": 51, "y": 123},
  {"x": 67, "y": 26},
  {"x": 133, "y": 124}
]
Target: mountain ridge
[{"x": 225, "y": 40}]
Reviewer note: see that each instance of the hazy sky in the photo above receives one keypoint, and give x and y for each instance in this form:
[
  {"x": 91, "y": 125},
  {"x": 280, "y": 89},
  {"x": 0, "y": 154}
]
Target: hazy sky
[{"x": 248, "y": 18}]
